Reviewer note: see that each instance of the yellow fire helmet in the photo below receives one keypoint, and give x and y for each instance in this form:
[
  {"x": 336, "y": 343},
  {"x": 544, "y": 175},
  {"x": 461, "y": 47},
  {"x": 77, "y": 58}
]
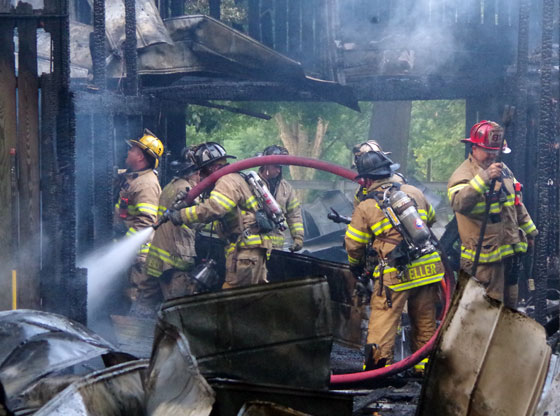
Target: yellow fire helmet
[{"x": 150, "y": 144}]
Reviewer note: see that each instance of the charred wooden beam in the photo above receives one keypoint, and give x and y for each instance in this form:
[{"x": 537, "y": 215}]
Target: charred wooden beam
[
  {"x": 521, "y": 87},
  {"x": 98, "y": 44},
  {"x": 546, "y": 178},
  {"x": 28, "y": 162},
  {"x": 231, "y": 109},
  {"x": 130, "y": 50},
  {"x": 143, "y": 104},
  {"x": 267, "y": 36},
  {"x": 8, "y": 220}
]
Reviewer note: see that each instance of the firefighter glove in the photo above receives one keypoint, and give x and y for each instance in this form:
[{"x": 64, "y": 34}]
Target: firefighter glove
[
  {"x": 297, "y": 245},
  {"x": 174, "y": 217}
]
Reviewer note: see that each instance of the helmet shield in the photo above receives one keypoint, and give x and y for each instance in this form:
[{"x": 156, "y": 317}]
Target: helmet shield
[
  {"x": 208, "y": 153},
  {"x": 375, "y": 165},
  {"x": 487, "y": 135}
]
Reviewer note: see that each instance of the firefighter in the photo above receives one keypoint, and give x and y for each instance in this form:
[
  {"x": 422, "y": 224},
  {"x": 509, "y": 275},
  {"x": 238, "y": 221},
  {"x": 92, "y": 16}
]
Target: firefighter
[
  {"x": 233, "y": 203},
  {"x": 286, "y": 197},
  {"x": 172, "y": 252},
  {"x": 137, "y": 207},
  {"x": 406, "y": 272},
  {"x": 508, "y": 224},
  {"x": 360, "y": 149}
]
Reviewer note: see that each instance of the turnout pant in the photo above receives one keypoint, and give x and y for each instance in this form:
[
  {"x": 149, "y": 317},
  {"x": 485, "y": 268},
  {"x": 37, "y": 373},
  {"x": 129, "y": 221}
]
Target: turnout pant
[
  {"x": 245, "y": 266},
  {"x": 384, "y": 320},
  {"x": 491, "y": 275}
]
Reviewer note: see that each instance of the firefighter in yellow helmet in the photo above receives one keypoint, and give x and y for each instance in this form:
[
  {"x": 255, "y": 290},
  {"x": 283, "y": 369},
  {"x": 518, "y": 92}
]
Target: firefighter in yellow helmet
[
  {"x": 286, "y": 197},
  {"x": 234, "y": 204},
  {"x": 509, "y": 224},
  {"x": 137, "y": 207},
  {"x": 409, "y": 265}
]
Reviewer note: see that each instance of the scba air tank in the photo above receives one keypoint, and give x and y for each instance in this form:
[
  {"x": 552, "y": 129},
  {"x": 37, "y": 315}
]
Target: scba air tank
[{"x": 408, "y": 215}]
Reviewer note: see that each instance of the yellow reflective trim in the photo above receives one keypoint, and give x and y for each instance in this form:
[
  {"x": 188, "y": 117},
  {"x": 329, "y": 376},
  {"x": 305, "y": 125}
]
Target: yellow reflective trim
[
  {"x": 223, "y": 200},
  {"x": 431, "y": 213},
  {"x": 528, "y": 227},
  {"x": 357, "y": 235},
  {"x": 131, "y": 231},
  {"x": 520, "y": 247},
  {"x": 478, "y": 184},
  {"x": 353, "y": 261},
  {"x": 493, "y": 256},
  {"x": 230, "y": 248},
  {"x": 381, "y": 226},
  {"x": 417, "y": 283},
  {"x": 251, "y": 202},
  {"x": 149, "y": 208},
  {"x": 455, "y": 189},
  {"x": 190, "y": 213},
  {"x": 292, "y": 205}
]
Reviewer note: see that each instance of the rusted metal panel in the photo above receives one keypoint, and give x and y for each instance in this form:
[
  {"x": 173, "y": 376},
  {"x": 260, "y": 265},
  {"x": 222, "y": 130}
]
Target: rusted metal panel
[
  {"x": 7, "y": 142},
  {"x": 490, "y": 360},
  {"x": 278, "y": 333},
  {"x": 231, "y": 396},
  {"x": 28, "y": 152}
]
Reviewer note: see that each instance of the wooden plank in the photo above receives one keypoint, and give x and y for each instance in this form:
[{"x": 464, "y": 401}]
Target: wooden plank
[
  {"x": 294, "y": 28},
  {"x": 281, "y": 25},
  {"x": 28, "y": 158},
  {"x": 7, "y": 142},
  {"x": 253, "y": 18}
]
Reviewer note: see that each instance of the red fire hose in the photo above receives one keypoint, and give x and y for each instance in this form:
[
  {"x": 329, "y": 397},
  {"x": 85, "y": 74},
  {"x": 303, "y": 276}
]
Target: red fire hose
[{"x": 351, "y": 175}]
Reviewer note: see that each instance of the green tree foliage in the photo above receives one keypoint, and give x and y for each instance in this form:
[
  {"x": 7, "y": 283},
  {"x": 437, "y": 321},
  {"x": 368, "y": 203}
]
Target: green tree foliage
[
  {"x": 436, "y": 127},
  {"x": 435, "y": 130}
]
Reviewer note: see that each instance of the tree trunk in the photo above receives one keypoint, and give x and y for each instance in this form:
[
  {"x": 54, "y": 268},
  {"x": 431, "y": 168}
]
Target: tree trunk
[
  {"x": 295, "y": 138},
  {"x": 390, "y": 126}
]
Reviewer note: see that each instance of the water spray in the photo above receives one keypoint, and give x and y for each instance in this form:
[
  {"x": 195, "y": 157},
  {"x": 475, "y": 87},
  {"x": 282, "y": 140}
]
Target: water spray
[{"x": 107, "y": 264}]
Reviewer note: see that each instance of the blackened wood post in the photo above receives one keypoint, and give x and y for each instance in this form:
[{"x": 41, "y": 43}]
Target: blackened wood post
[
  {"x": 130, "y": 50},
  {"x": 28, "y": 162},
  {"x": 98, "y": 44},
  {"x": 307, "y": 37},
  {"x": 8, "y": 221},
  {"x": 546, "y": 184}
]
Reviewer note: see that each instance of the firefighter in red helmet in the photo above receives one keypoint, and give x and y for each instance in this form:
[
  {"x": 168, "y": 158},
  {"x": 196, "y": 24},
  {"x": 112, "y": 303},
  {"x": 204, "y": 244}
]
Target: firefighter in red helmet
[{"x": 509, "y": 224}]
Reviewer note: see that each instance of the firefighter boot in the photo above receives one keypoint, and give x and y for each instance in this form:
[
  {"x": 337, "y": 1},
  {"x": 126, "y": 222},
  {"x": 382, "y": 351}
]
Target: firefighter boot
[{"x": 372, "y": 361}]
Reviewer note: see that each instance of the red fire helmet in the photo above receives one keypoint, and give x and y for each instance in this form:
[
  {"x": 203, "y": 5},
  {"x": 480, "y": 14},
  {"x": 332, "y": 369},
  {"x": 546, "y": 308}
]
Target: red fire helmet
[{"x": 488, "y": 135}]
